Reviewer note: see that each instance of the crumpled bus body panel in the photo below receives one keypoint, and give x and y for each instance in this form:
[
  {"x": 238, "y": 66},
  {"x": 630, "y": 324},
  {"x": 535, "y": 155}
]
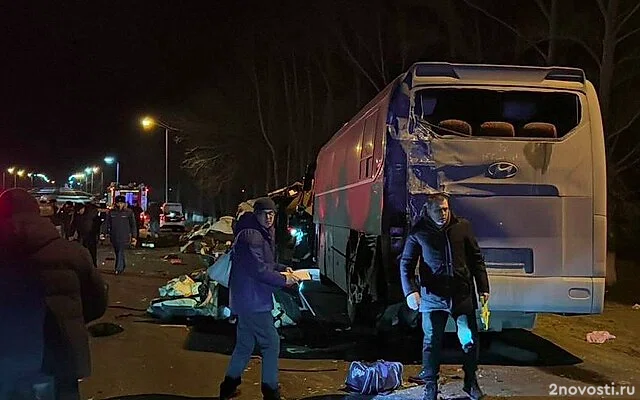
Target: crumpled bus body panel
[{"x": 520, "y": 150}]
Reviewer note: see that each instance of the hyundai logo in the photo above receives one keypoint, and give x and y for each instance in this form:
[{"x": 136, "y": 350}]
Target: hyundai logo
[{"x": 502, "y": 170}]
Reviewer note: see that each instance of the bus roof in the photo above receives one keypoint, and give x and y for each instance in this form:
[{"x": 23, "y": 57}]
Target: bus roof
[{"x": 425, "y": 73}]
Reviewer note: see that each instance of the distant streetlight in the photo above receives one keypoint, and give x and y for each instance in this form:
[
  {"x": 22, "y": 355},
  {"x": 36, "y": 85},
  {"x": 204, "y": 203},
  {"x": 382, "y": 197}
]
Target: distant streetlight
[
  {"x": 89, "y": 171},
  {"x": 148, "y": 123},
  {"x": 20, "y": 174},
  {"x": 110, "y": 160},
  {"x": 11, "y": 171},
  {"x": 43, "y": 177},
  {"x": 95, "y": 171}
]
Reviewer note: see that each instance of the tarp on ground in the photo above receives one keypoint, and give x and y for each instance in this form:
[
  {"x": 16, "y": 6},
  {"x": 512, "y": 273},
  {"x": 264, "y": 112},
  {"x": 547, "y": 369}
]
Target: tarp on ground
[
  {"x": 197, "y": 295},
  {"x": 204, "y": 303}
]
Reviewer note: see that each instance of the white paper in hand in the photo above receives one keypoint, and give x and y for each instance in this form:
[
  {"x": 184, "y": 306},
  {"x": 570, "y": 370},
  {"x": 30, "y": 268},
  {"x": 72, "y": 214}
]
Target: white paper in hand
[{"x": 302, "y": 275}]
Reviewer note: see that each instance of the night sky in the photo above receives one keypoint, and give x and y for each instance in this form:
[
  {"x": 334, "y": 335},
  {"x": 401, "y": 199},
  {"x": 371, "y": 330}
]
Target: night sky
[{"x": 76, "y": 78}]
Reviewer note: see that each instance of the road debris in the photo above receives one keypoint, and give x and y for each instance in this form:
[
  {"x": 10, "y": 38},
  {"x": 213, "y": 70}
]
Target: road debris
[
  {"x": 599, "y": 337},
  {"x": 173, "y": 259},
  {"x": 103, "y": 329}
]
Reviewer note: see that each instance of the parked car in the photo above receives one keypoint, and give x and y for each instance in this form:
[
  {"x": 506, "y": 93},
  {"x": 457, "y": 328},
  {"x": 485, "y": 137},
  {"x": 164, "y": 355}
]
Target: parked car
[{"x": 172, "y": 217}]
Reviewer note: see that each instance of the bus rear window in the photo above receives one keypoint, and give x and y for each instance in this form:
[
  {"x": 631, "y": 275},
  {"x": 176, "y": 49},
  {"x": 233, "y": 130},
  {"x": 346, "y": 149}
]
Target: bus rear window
[{"x": 498, "y": 113}]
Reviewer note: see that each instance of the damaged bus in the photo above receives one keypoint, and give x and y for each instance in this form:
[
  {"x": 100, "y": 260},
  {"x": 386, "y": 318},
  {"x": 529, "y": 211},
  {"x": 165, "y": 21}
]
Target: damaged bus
[{"x": 521, "y": 152}]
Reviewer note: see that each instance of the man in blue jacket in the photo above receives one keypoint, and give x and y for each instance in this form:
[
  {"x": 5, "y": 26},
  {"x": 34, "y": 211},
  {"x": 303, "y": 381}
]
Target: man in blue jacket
[
  {"x": 450, "y": 259},
  {"x": 253, "y": 278}
]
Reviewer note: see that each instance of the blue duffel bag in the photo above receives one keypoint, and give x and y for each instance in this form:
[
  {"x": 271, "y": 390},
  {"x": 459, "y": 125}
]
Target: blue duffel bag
[{"x": 380, "y": 377}]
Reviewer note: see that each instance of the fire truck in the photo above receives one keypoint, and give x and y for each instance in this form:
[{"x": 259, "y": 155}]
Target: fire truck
[{"x": 132, "y": 193}]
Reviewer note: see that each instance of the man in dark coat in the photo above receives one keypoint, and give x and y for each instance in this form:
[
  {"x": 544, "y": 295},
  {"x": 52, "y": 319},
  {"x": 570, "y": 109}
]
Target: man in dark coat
[
  {"x": 75, "y": 293},
  {"x": 450, "y": 259},
  {"x": 88, "y": 224},
  {"x": 137, "y": 213},
  {"x": 66, "y": 215},
  {"x": 121, "y": 228},
  {"x": 253, "y": 278},
  {"x": 154, "y": 219}
]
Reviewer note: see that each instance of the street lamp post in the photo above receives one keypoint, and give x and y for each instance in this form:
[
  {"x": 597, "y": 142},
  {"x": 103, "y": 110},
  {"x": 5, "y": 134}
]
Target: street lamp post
[
  {"x": 148, "y": 123},
  {"x": 94, "y": 170},
  {"x": 89, "y": 172},
  {"x": 15, "y": 177},
  {"x": 12, "y": 171},
  {"x": 111, "y": 160}
]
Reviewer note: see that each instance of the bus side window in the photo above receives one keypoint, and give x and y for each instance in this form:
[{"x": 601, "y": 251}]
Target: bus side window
[{"x": 366, "y": 152}]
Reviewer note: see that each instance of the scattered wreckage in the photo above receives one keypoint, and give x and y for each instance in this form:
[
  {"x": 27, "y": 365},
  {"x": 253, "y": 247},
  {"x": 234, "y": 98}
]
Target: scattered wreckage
[
  {"x": 211, "y": 239},
  {"x": 204, "y": 292}
]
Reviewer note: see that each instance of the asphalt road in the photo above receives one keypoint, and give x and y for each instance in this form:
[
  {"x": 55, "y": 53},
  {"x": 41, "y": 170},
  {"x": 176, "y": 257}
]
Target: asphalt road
[{"x": 150, "y": 359}]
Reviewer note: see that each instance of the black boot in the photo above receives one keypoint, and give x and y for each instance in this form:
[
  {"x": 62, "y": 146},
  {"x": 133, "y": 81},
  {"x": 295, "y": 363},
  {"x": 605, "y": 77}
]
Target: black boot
[
  {"x": 228, "y": 387},
  {"x": 472, "y": 389},
  {"x": 430, "y": 390},
  {"x": 421, "y": 378},
  {"x": 269, "y": 393}
]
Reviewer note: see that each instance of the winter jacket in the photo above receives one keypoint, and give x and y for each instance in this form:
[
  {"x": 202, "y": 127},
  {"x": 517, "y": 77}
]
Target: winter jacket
[
  {"x": 88, "y": 223},
  {"x": 154, "y": 212},
  {"x": 121, "y": 226},
  {"x": 254, "y": 273},
  {"x": 449, "y": 260},
  {"x": 75, "y": 293}
]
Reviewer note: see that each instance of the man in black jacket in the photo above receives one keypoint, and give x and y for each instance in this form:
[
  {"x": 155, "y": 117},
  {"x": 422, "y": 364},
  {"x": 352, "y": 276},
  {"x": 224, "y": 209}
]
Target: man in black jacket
[
  {"x": 450, "y": 259},
  {"x": 75, "y": 294},
  {"x": 88, "y": 226}
]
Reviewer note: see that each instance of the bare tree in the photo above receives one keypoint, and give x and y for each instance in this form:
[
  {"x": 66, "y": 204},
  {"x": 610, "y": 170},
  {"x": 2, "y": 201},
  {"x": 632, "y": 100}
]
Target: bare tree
[
  {"x": 263, "y": 129},
  {"x": 213, "y": 167}
]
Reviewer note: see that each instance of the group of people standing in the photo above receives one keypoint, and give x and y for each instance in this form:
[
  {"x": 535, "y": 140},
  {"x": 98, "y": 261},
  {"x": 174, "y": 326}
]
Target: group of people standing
[
  {"x": 85, "y": 222},
  {"x": 441, "y": 269}
]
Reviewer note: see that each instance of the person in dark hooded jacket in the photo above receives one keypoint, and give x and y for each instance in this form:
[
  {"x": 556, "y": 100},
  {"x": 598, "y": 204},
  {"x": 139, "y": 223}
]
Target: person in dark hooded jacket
[
  {"x": 88, "y": 225},
  {"x": 75, "y": 293},
  {"x": 253, "y": 278},
  {"x": 450, "y": 259}
]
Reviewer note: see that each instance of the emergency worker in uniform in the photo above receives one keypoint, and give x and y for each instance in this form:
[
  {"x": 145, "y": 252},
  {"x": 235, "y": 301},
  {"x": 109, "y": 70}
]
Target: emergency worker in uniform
[
  {"x": 449, "y": 261},
  {"x": 121, "y": 228}
]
